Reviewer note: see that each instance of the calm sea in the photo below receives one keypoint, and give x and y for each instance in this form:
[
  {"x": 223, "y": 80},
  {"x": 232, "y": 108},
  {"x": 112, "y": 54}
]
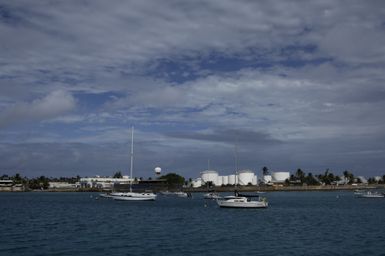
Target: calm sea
[{"x": 297, "y": 223}]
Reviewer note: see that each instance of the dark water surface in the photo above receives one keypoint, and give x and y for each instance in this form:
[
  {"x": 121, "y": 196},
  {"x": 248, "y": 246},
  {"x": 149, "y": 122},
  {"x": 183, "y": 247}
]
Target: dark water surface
[{"x": 297, "y": 223}]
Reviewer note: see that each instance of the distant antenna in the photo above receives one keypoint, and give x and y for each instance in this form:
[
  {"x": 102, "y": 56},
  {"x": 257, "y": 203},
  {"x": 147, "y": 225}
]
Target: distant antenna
[
  {"x": 236, "y": 157},
  {"x": 236, "y": 161}
]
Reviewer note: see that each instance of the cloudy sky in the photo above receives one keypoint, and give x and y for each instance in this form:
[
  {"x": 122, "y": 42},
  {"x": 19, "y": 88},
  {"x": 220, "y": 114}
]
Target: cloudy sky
[{"x": 293, "y": 84}]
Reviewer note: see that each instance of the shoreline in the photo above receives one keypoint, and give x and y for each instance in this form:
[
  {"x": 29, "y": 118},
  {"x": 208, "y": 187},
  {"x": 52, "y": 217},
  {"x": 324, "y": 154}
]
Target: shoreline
[
  {"x": 287, "y": 188},
  {"x": 232, "y": 189}
]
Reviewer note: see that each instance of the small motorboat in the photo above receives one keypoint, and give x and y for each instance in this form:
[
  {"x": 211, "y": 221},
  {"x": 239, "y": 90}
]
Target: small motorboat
[
  {"x": 181, "y": 194},
  {"x": 211, "y": 195},
  {"x": 242, "y": 202},
  {"x": 370, "y": 194}
]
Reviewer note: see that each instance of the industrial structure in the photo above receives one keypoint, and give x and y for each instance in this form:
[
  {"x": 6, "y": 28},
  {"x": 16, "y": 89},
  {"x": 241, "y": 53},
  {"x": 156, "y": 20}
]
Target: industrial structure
[
  {"x": 104, "y": 182},
  {"x": 242, "y": 178}
]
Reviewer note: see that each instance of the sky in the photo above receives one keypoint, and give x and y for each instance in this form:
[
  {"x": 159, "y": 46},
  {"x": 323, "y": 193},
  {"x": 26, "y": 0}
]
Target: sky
[{"x": 207, "y": 84}]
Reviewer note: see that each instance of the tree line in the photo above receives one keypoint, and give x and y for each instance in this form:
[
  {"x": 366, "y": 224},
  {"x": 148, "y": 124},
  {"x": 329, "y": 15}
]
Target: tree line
[
  {"x": 326, "y": 178},
  {"x": 41, "y": 182}
]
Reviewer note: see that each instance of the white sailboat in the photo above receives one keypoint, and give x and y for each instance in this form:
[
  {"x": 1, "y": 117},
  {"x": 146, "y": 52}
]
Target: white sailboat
[
  {"x": 133, "y": 196},
  {"x": 243, "y": 201}
]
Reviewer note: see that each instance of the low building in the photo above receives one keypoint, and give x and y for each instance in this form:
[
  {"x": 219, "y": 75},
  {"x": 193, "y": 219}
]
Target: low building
[
  {"x": 8, "y": 186},
  {"x": 209, "y": 177},
  {"x": 280, "y": 177},
  {"x": 362, "y": 179},
  {"x": 104, "y": 182},
  {"x": 197, "y": 183},
  {"x": 267, "y": 179},
  {"x": 245, "y": 177},
  {"x": 63, "y": 185}
]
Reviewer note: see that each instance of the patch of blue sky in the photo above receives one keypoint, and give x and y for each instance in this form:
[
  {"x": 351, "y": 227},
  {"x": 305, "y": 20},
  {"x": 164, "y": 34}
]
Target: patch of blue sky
[
  {"x": 33, "y": 131},
  {"x": 94, "y": 101},
  {"x": 18, "y": 16},
  {"x": 49, "y": 76},
  {"x": 173, "y": 70},
  {"x": 8, "y": 16},
  {"x": 180, "y": 70},
  {"x": 165, "y": 127}
]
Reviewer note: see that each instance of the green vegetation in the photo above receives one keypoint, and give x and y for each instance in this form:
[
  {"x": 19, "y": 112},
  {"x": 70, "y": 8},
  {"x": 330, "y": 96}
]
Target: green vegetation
[
  {"x": 173, "y": 180},
  {"x": 327, "y": 178},
  {"x": 39, "y": 183},
  {"x": 265, "y": 170},
  {"x": 118, "y": 175}
]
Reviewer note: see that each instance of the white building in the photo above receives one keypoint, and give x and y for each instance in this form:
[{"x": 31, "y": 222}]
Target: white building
[
  {"x": 267, "y": 179},
  {"x": 255, "y": 180},
  {"x": 232, "y": 179},
  {"x": 279, "y": 177},
  {"x": 103, "y": 182},
  {"x": 63, "y": 185},
  {"x": 197, "y": 183},
  {"x": 245, "y": 177},
  {"x": 362, "y": 179},
  {"x": 225, "y": 180},
  {"x": 219, "y": 181},
  {"x": 209, "y": 176}
]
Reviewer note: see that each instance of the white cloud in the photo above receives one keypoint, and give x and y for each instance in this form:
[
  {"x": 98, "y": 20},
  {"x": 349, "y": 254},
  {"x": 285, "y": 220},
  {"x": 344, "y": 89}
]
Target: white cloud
[
  {"x": 76, "y": 35},
  {"x": 118, "y": 47},
  {"x": 52, "y": 105}
]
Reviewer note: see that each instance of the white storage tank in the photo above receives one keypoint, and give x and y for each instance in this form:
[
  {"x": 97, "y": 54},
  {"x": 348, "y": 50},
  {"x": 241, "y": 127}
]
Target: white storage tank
[
  {"x": 267, "y": 178},
  {"x": 219, "y": 181},
  {"x": 225, "y": 180},
  {"x": 255, "y": 180},
  {"x": 232, "y": 179},
  {"x": 197, "y": 183},
  {"x": 209, "y": 176},
  {"x": 280, "y": 177},
  {"x": 245, "y": 177}
]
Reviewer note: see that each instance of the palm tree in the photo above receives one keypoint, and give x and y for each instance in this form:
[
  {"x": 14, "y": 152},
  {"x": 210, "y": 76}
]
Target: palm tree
[
  {"x": 349, "y": 176},
  {"x": 118, "y": 175},
  {"x": 265, "y": 170},
  {"x": 300, "y": 174}
]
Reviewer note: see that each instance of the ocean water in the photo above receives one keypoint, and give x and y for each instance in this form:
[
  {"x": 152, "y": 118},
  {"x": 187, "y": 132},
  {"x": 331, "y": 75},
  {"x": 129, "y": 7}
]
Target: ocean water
[{"x": 296, "y": 223}]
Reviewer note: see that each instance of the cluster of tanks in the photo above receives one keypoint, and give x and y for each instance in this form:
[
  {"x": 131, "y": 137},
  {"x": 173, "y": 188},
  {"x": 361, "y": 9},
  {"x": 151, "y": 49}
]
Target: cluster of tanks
[{"x": 243, "y": 178}]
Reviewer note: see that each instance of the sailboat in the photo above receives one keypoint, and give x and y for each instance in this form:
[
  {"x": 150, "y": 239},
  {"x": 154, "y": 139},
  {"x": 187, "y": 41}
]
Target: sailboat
[
  {"x": 241, "y": 201},
  {"x": 133, "y": 196}
]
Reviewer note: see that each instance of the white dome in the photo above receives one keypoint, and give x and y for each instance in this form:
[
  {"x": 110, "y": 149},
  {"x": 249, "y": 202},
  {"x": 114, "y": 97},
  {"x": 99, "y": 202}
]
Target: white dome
[
  {"x": 209, "y": 176},
  {"x": 158, "y": 170},
  {"x": 280, "y": 176},
  {"x": 267, "y": 178},
  {"x": 245, "y": 177}
]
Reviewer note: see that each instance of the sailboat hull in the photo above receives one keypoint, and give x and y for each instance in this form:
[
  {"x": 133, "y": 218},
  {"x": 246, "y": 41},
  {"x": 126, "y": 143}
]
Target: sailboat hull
[
  {"x": 133, "y": 196},
  {"x": 243, "y": 205}
]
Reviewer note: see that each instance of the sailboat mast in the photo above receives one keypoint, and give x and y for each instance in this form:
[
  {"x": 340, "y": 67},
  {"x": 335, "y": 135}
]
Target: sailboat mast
[
  {"x": 132, "y": 156},
  {"x": 236, "y": 165}
]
